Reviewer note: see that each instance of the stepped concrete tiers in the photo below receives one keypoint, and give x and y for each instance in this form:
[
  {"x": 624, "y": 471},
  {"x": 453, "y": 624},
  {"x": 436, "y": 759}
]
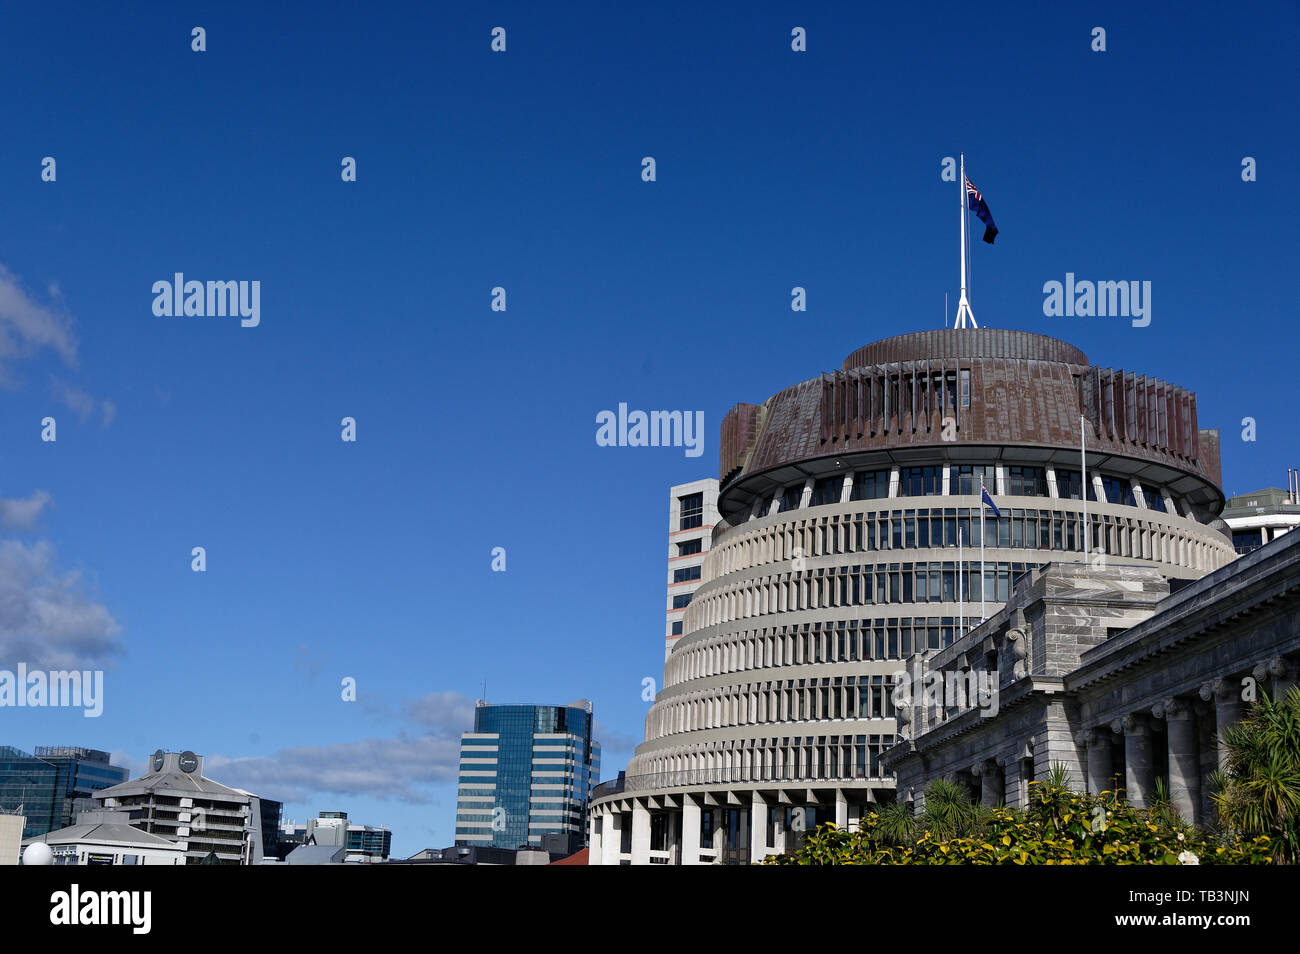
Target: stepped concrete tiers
[
  {"x": 849, "y": 540},
  {"x": 1104, "y": 672}
]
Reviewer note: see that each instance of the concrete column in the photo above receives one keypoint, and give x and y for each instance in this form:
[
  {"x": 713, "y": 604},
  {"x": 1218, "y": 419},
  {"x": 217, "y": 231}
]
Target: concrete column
[
  {"x": 640, "y": 833},
  {"x": 719, "y": 832},
  {"x": 690, "y": 831},
  {"x": 1100, "y": 763},
  {"x": 611, "y": 842},
  {"x": 1184, "y": 757},
  {"x": 1013, "y": 786},
  {"x": 1227, "y": 711},
  {"x": 991, "y": 784},
  {"x": 779, "y": 843},
  {"x": 1278, "y": 672},
  {"x": 841, "y": 811},
  {"x": 1139, "y": 775},
  {"x": 594, "y": 840},
  {"x": 1052, "y": 490},
  {"x": 757, "y": 829},
  {"x": 846, "y": 492}
]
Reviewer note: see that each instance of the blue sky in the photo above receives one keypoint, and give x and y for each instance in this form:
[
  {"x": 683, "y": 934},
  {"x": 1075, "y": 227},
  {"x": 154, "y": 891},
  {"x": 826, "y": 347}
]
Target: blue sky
[{"x": 476, "y": 428}]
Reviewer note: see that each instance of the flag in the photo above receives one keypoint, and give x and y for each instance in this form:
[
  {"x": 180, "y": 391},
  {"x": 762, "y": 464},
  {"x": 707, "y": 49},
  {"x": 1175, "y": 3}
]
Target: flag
[
  {"x": 987, "y": 500},
  {"x": 975, "y": 202}
]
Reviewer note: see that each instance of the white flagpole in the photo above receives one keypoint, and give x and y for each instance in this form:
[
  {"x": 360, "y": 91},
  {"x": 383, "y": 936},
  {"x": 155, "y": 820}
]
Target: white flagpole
[
  {"x": 983, "y": 531},
  {"x": 1083, "y": 490},
  {"x": 961, "y": 591},
  {"x": 963, "y": 305}
]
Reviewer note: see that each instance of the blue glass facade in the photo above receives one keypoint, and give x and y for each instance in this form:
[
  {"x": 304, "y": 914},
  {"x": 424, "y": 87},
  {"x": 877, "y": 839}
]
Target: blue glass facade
[
  {"x": 54, "y": 784},
  {"x": 534, "y": 767}
]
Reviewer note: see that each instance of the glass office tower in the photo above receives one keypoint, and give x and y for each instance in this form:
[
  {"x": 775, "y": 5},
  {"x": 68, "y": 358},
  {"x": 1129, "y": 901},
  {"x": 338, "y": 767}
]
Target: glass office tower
[
  {"x": 54, "y": 784},
  {"x": 526, "y": 772}
]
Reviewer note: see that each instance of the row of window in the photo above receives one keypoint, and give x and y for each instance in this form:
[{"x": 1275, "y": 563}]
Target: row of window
[
  {"x": 815, "y": 758},
  {"x": 966, "y": 480}
]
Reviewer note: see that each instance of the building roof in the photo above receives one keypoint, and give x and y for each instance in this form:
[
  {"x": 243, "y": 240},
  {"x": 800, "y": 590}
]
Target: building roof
[
  {"x": 1268, "y": 500},
  {"x": 104, "y": 833},
  {"x": 317, "y": 855},
  {"x": 178, "y": 783}
]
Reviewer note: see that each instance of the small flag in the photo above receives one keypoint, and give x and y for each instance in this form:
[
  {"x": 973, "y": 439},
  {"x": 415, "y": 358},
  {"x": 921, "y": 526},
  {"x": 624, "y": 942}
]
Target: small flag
[
  {"x": 988, "y": 501},
  {"x": 975, "y": 202}
]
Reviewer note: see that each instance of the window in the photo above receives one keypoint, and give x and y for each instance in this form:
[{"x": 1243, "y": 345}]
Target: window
[
  {"x": 682, "y": 601},
  {"x": 1026, "y": 482},
  {"x": 827, "y": 491},
  {"x": 1118, "y": 491},
  {"x": 677, "y": 628},
  {"x": 920, "y": 481},
  {"x": 1155, "y": 500},
  {"x": 686, "y": 574},
  {"x": 870, "y": 484},
  {"x": 692, "y": 511},
  {"x": 965, "y": 387},
  {"x": 690, "y": 547},
  {"x": 790, "y": 498},
  {"x": 1244, "y": 541},
  {"x": 1069, "y": 485},
  {"x": 966, "y": 478}
]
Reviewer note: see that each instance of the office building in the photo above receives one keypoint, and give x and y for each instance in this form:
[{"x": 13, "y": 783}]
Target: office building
[
  {"x": 11, "y": 837},
  {"x": 692, "y": 514},
  {"x": 526, "y": 772},
  {"x": 176, "y": 802},
  {"x": 850, "y": 538},
  {"x": 54, "y": 783},
  {"x": 108, "y": 838},
  {"x": 362, "y": 843},
  {"x": 1264, "y": 515}
]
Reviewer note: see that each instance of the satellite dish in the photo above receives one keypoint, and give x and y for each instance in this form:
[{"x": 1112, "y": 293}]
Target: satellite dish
[
  {"x": 189, "y": 763},
  {"x": 156, "y": 762}
]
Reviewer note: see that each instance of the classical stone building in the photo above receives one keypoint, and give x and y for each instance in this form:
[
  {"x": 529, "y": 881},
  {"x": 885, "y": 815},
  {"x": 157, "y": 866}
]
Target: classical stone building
[
  {"x": 1102, "y": 670},
  {"x": 849, "y": 539}
]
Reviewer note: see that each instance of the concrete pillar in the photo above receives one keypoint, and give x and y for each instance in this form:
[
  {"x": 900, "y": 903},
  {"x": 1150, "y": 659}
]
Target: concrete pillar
[
  {"x": 991, "y": 784},
  {"x": 611, "y": 842},
  {"x": 1184, "y": 757},
  {"x": 1013, "y": 786},
  {"x": 594, "y": 840},
  {"x": 640, "y": 833},
  {"x": 719, "y": 832},
  {"x": 1100, "y": 763},
  {"x": 779, "y": 843},
  {"x": 757, "y": 829},
  {"x": 841, "y": 811},
  {"x": 1227, "y": 711},
  {"x": 1278, "y": 672},
  {"x": 1139, "y": 775},
  {"x": 690, "y": 831}
]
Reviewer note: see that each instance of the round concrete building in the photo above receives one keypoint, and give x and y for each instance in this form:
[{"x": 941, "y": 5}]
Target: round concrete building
[{"x": 850, "y": 539}]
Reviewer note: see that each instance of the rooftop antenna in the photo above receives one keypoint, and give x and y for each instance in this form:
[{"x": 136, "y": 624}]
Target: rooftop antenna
[{"x": 963, "y": 305}]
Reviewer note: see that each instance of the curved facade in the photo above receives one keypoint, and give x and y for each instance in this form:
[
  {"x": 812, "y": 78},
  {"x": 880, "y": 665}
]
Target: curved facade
[{"x": 850, "y": 538}]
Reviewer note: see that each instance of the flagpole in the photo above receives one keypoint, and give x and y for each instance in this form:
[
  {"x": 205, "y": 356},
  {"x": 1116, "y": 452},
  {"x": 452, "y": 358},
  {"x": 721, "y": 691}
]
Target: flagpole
[
  {"x": 1083, "y": 490},
  {"x": 961, "y": 593},
  {"x": 983, "y": 532},
  {"x": 963, "y": 305}
]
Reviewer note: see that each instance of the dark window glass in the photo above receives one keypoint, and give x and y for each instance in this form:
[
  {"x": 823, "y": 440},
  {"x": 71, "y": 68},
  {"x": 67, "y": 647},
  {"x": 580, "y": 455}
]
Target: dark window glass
[
  {"x": 920, "y": 481},
  {"x": 1243, "y": 541},
  {"x": 1118, "y": 491},
  {"x": 1027, "y": 481},
  {"x": 966, "y": 478},
  {"x": 1069, "y": 484},
  {"x": 827, "y": 491},
  {"x": 689, "y": 547},
  {"x": 870, "y": 484},
  {"x": 686, "y": 574},
  {"x": 692, "y": 511},
  {"x": 677, "y": 628},
  {"x": 790, "y": 498},
  {"x": 682, "y": 601},
  {"x": 1154, "y": 499}
]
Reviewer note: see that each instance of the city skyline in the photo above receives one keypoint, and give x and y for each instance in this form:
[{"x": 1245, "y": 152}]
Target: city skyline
[{"x": 372, "y": 560}]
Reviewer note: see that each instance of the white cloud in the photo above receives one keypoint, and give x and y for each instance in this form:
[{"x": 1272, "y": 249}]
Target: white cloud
[
  {"x": 46, "y": 618},
  {"x": 22, "y": 513},
  {"x": 81, "y": 402},
  {"x": 443, "y": 712},
  {"x": 28, "y": 327},
  {"x": 394, "y": 768}
]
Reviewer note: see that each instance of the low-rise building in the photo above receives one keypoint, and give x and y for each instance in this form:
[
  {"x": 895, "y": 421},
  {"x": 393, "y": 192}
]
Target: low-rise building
[
  {"x": 108, "y": 838},
  {"x": 1264, "y": 515}
]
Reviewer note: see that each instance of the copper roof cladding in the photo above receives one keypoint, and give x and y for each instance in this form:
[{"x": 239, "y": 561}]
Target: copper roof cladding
[
  {"x": 1027, "y": 394},
  {"x": 965, "y": 343}
]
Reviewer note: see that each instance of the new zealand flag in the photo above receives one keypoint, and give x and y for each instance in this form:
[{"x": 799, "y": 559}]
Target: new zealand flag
[
  {"x": 975, "y": 202},
  {"x": 984, "y": 493}
]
